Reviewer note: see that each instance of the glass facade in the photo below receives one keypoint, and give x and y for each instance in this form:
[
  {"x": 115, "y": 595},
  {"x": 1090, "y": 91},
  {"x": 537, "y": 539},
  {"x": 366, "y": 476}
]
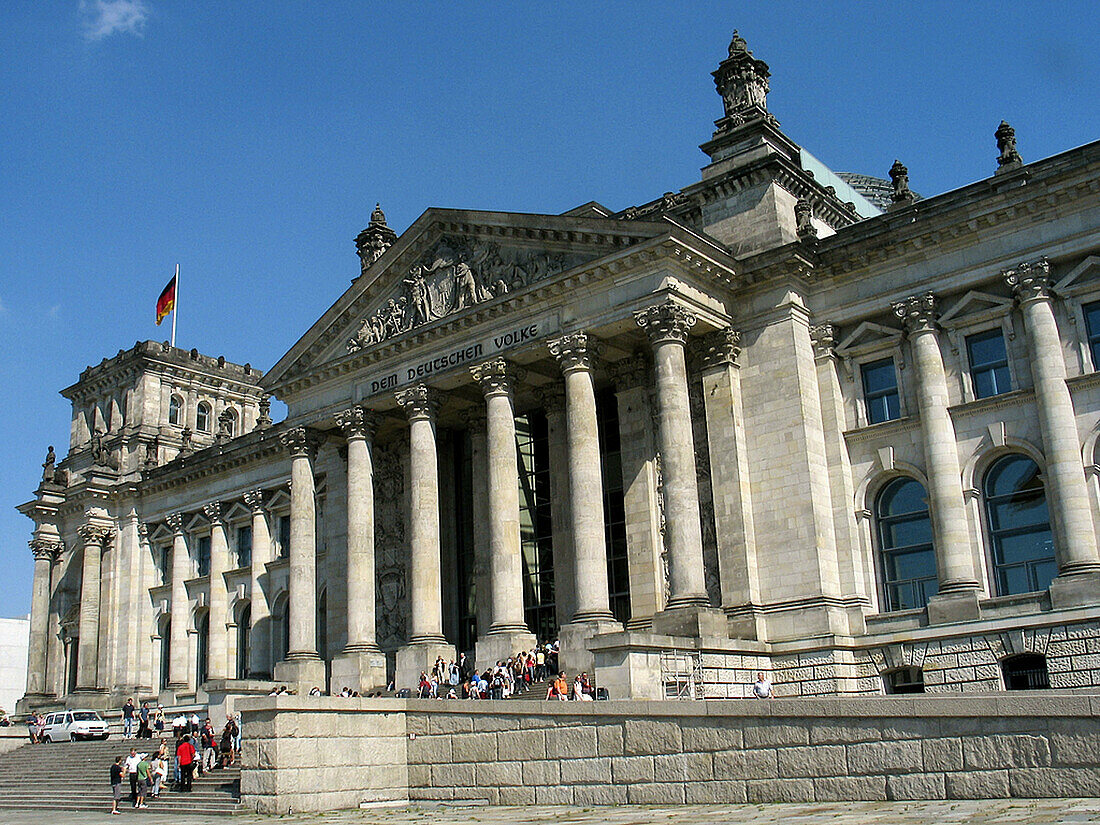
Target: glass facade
[
  {"x": 905, "y": 545},
  {"x": 988, "y": 363},
  {"x": 614, "y": 510},
  {"x": 880, "y": 391},
  {"x": 464, "y": 525},
  {"x": 1019, "y": 526}
]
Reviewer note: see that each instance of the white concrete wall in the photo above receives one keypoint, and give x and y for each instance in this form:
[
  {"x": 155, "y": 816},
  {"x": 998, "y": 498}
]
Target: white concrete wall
[{"x": 14, "y": 641}]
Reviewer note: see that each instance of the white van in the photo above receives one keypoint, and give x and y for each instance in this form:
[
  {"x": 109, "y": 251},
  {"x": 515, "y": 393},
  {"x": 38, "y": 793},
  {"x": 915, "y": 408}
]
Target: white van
[{"x": 72, "y": 725}]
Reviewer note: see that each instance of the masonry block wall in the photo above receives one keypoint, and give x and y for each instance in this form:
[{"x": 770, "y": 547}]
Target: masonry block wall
[{"x": 647, "y": 752}]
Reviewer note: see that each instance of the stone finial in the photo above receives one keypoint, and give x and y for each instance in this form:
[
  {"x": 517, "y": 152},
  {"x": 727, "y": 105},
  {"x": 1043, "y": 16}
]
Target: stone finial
[
  {"x": 742, "y": 81},
  {"x": 720, "y": 348},
  {"x": 917, "y": 312},
  {"x": 573, "y": 352},
  {"x": 823, "y": 338},
  {"x": 187, "y": 447},
  {"x": 899, "y": 176},
  {"x": 264, "y": 421},
  {"x": 302, "y": 441},
  {"x": 225, "y": 425},
  {"x": 1030, "y": 281},
  {"x": 373, "y": 241},
  {"x": 213, "y": 511},
  {"x": 45, "y": 548},
  {"x": 1009, "y": 158},
  {"x": 418, "y": 401},
  {"x": 175, "y": 523},
  {"x": 804, "y": 220},
  {"x": 254, "y": 500},
  {"x": 495, "y": 376},
  {"x": 358, "y": 422},
  {"x": 667, "y": 321}
]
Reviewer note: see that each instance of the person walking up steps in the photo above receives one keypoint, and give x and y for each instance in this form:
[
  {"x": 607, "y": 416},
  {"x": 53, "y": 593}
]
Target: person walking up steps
[
  {"x": 116, "y": 784},
  {"x": 185, "y": 757},
  {"x": 131, "y": 771}
]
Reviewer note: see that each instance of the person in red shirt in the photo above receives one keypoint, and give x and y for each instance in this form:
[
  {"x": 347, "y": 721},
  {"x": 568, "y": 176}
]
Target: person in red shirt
[{"x": 185, "y": 757}]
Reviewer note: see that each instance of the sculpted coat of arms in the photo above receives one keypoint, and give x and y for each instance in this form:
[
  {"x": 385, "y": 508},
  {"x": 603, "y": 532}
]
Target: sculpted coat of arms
[{"x": 456, "y": 274}]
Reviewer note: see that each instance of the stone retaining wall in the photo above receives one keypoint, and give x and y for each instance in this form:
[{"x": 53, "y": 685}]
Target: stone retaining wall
[{"x": 665, "y": 752}]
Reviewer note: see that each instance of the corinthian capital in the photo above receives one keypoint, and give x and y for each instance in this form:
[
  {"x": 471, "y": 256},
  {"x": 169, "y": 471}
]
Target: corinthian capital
[
  {"x": 720, "y": 348},
  {"x": 823, "y": 337},
  {"x": 44, "y": 548},
  {"x": 358, "y": 422},
  {"x": 573, "y": 351},
  {"x": 213, "y": 511},
  {"x": 1030, "y": 281},
  {"x": 419, "y": 401},
  {"x": 918, "y": 312},
  {"x": 254, "y": 500},
  {"x": 665, "y": 322},
  {"x": 632, "y": 371},
  {"x": 495, "y": 377},
  {"x": 302, "y": 441},
  {"x": 175, "y": 523},
  {"x": 94, "y": 533}
]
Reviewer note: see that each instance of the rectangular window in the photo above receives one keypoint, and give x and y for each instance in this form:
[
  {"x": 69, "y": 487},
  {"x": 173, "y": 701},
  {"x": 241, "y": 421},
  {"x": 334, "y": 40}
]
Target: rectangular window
[
  {"x": 1092, "y": 326},
  {"x": 244, "y": 546},
  {"x": 988, "y": 363},
  {"x": 164, "y": 564},
  {"x": 284, "y": 537},
  {"x": 204, "y": 555},
  {"x": 880, "y": 391}
]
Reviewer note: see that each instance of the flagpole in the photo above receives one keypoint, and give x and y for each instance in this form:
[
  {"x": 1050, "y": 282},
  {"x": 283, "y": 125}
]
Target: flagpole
[{"x": 176, "y": 305}]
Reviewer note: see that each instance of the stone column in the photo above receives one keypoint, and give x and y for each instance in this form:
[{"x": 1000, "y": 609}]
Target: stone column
[
  {"x": 94, "y": 538},
  {"x": 45, "y": 550},
  {"x": 426, "y": 640},
  {"x": 958, "y": 586},
  {"x": 217, "y": 648},
  {"x": 574, "y": 354},
  {"x": 733, "y": 517},
  {"x": 303, "y": 666},
  {"x": 1066, "y": 487},
  {"x": 687, "y": 612},
  {"x": 177, "y": 633},
  {"x": 552, "y": 397},
  {"x": 361, "y": 666},
  {"x": 508, "y": 633},
  {"x": 259, "y": 655}
]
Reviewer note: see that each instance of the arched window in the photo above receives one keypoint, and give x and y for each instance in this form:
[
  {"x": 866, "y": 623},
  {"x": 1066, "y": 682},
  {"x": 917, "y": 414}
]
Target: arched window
[
  {"x": 202, "y": 417},
  {"x": 244, "y": 641},
  {"x": 175, "y": 411},
  {"x": 1019, "y": 526},
  {"x": 231, "y": 422},
  {"x": 203, "y": 649},
  {"x": 905, "y": 544},
  {"x": 1028, "y": 671}
]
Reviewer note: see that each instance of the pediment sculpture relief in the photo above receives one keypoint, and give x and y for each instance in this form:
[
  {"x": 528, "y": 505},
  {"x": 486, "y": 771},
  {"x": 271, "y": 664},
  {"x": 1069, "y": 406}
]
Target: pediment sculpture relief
[{"x": 456, "y": 274}]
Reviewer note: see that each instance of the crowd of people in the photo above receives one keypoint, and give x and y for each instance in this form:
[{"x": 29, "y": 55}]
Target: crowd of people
[{"x": 198, "y": 749}]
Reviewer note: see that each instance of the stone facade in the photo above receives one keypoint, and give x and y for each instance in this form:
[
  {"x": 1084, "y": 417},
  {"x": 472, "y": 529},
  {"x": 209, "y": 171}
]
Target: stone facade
[
  {"x": 641, "y": 753},
  {"x": 762, "y": 426}
]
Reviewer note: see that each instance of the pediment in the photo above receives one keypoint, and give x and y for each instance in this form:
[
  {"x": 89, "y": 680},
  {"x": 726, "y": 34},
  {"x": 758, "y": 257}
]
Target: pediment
[
  {"x": 451, "y": 262},
  {"x": 975, "y": 304},
  {"x": 1085, "y": 275},
  {"x": 868, "y": 335}
]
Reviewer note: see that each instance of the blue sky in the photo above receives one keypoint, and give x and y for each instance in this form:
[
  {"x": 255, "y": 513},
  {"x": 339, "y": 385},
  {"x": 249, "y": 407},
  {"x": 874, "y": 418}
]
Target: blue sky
[{"x": 248, "y": 141}]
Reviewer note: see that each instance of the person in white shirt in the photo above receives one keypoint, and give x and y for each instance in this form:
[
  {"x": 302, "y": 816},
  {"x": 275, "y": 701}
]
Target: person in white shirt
[{"x": 763, "y": 688}]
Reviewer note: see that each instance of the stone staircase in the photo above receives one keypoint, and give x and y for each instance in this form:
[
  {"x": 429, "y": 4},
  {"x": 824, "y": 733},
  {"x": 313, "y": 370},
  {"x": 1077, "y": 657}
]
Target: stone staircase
[{"x": 75, "y": 776}]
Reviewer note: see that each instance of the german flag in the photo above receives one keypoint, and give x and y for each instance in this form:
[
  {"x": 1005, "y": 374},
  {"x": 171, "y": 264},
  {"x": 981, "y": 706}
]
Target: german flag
[{"x": 167, "y": 300}]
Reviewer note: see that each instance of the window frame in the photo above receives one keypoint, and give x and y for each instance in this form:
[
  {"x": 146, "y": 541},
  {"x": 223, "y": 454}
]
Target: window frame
[
  {"x": 881, "y": 552},
  {"x": 993, "y": 536},
  {"x": 865, "y": 400},
  {"x": 967, "y": 356},
  {"x": 204, "y": 409},
  {"x": 180, "y": 409}
]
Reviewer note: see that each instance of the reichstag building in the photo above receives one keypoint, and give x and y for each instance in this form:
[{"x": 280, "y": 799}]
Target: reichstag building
[{"x": 784, "y": 419}]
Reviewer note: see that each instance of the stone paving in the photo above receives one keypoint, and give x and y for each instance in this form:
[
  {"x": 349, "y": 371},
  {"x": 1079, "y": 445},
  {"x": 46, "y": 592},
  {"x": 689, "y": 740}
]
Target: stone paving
[{"x": 985, "y": 812}]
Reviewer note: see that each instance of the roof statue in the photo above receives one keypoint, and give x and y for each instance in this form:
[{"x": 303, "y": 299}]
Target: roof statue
[
  {"x": 1009, "y": 158},
  {"x": 373, "y": 241},
  {"x": 742, "y": 81}
]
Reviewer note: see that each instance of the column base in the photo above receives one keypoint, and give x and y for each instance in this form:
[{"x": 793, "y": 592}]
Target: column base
[
  {"x": 573, "y": 655},
  {"x": 691, "y": 622},
  {"x": 361, "y": 670},
  {"x": 957, "y": 606},
  {"x": 496, "y": 647},
  {"x": 301, "y": 674},
  {"x": 417, "y": 658},
  {"x": 1075, "y": 590}
]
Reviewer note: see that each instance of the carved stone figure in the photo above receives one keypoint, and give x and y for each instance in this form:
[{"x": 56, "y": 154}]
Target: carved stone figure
[
  {"x": 742, "y": 81},
  {"x": 186, "y": 446},
  {"x": 1006, "y": 144},
  {"x": 101, "y": 453},
  {"x": 151, "y": 450},
  {"x": 48, "y": 465},
  {"x": 264, "y": 421},
  {"x": 417, "y": 298},
  {"x": 373, "y": 241},
  {"x": 225, "y": 426},
  {"x": 899, "y": 175},
  {"x": 804, "y": 220}
]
